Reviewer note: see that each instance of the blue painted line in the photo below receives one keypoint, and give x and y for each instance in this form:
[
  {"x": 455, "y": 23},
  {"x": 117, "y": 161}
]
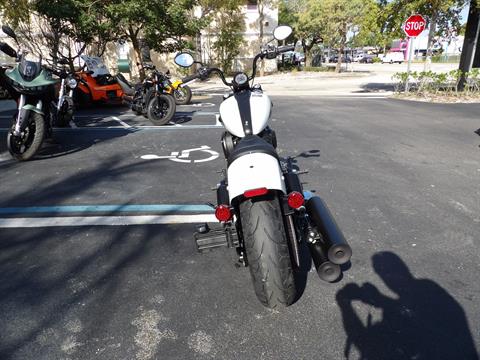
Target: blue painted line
[{"x": 157, "y": 209}]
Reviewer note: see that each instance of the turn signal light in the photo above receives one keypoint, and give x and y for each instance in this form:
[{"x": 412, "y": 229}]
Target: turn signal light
[
  {"x": 223, "y": 213},
  {"x": 295, "y": 200},
  {"x": 255, "y": 192}
]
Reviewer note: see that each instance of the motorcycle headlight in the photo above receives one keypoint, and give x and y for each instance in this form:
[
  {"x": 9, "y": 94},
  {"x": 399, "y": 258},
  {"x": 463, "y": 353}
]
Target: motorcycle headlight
[
  {"x": 241, "y": 78},
  {"x": 72, "y": 83}
]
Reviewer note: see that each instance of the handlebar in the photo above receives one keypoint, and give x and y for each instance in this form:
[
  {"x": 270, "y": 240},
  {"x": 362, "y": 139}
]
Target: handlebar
[
  {"x": 282, "y": 49},
  {"x": 204, "y": 72},
  {"x": 190, "y": 78}
]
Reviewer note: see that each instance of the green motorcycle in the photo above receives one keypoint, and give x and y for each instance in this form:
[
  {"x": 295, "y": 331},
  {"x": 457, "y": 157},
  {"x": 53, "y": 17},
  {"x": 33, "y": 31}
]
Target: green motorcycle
[{"x": 32, "y": 86}]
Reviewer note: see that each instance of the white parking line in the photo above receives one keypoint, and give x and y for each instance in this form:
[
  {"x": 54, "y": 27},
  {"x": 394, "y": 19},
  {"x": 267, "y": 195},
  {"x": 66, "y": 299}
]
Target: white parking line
[
  {"x": 123, "y": 123},
  {"x": 36, "y": 222},
  {"x": 136, "y": 128}
]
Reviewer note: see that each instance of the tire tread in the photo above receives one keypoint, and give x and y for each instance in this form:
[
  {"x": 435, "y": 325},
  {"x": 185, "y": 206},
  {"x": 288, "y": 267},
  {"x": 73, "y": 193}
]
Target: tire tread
[{"x": 267, "y": 252}]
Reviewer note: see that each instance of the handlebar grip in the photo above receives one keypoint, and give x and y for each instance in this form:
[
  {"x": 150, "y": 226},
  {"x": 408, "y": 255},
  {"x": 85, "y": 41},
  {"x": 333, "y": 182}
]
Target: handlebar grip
[
  {"x": 282, "y": 49},
  {"x": 190, "y": 78}
]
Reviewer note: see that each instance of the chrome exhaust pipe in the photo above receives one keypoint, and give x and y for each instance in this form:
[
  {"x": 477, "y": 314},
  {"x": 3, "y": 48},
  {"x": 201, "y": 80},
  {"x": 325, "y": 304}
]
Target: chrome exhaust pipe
[
  {"x": 326, "y": 270},
  {"x": 338, "y": 250}
]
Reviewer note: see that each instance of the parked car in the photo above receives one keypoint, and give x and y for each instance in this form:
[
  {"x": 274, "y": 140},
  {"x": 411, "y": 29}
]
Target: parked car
[
  {"x": 358, "y": 56},
  {"x": 345, "y": 59},
  {"x": 393, "y": 57},
  {"x": 366, "y": 59},
  {"x": 293, "y": 57}
]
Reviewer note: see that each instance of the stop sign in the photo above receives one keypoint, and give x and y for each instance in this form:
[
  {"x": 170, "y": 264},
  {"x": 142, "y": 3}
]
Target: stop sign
[{"x": 414, "y": 25}]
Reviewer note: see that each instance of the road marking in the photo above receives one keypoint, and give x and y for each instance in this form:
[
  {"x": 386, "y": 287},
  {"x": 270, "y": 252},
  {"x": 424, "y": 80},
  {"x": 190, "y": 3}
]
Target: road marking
[
  {"x": 201, "y": 105},
  {"x": 136, "y": 128},
  {"x": 104, "y": 220},
  {"x": 157, "y": 208},
  {"x": 184, "y": 155},
  {"x": 125, "y": 125},
  {"x": 198, "y": 113}
]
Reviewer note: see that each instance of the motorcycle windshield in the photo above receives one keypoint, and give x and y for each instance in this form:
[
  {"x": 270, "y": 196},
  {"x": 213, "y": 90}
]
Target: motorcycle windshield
[{"x": 29, "y": 70}]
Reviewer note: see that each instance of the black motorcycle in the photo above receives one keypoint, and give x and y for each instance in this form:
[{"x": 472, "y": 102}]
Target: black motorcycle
[
  {"x": 31, "y": 84},
  {"x": 150, "y": 98}
]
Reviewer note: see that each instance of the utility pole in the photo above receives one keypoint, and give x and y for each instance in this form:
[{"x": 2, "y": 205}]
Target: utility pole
[{"x": 470, "y": 42}]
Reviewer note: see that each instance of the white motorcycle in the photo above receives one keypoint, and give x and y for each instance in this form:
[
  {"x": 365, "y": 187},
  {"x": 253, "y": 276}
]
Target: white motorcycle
[{"x": 260, "y": 201}]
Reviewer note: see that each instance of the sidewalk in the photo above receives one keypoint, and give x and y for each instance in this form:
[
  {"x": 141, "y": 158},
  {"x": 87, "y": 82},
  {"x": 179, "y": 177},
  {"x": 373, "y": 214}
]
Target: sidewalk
[
  {"x": 365, "y": 80},
  {"x": 307, "y": 84}
]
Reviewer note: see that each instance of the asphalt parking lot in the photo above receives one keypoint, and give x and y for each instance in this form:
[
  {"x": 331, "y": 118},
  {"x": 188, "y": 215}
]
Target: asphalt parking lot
[{"x": 402, "y": 179}]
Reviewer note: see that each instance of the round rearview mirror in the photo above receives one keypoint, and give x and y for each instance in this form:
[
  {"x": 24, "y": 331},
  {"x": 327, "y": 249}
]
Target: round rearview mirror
[
  {"x": 282, "y": 32},
  {"x": 9, "y": 31},
  {"x": 184, "y": 60}
]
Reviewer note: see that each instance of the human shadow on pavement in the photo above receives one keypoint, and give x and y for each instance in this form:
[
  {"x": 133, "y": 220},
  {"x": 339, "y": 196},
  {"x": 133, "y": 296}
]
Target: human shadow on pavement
[{"x": 423, "y": 322}]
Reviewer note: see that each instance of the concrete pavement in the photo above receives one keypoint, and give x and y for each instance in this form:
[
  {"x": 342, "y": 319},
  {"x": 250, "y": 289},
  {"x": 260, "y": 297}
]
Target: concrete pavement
[{"x": 365, "y": 80}]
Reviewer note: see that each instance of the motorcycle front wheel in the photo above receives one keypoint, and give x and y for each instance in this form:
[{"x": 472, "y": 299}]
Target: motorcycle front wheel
[
  {"x": 267, "y": 251},
  {"x": 182, "y": 95},
  {"x": 161, "y": 109},
  {"x": 25, "y": 146}
]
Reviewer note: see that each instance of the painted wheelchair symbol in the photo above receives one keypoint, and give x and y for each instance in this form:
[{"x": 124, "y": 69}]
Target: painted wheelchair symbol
[{"x": 184, "y": 155}]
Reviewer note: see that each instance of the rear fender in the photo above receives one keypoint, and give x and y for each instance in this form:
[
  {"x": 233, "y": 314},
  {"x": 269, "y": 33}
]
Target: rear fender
[{"x": 254, "y": 171}]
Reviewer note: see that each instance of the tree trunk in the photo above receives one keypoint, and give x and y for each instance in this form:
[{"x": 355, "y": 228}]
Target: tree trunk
[
  {"x": 138, "y": 55},
  {"x": 338, "y": 67},
  {"x": 343, "y": 42},
  {"x": 133, "y": 35},
  {"x": 261, "y": 17},
  {"x": 431, "y": 34},
  {"x": 198, "y": 46},
  {"x": 307, "y": 51}
]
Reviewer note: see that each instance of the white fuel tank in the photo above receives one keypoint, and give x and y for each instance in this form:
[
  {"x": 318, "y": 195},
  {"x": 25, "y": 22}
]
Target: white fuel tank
[{"x": 260, "y": 108}]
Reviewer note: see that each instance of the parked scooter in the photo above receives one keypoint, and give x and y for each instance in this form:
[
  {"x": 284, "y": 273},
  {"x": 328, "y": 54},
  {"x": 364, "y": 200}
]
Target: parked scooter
[
  {"x": 260, "y": 200},
  {"x": 150, "y": 98},
  {"x": 31, "y": 84}
]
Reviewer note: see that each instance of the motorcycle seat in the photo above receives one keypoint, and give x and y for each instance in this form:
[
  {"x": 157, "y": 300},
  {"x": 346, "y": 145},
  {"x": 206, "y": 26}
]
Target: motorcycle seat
[
  {"x": 249, "y": 145},
  {"x": 105, "y": 80},
  {"x": 127, "y": 88}
]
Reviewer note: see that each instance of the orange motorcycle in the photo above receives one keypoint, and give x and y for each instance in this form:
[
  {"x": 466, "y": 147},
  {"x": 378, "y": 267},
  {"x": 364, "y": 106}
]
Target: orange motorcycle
[{"x": 96, "y": 84}]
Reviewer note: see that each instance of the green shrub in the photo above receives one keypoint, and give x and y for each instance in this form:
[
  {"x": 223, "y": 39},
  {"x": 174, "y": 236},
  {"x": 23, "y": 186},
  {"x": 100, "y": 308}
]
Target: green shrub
[{"x": 428, "y": 82}]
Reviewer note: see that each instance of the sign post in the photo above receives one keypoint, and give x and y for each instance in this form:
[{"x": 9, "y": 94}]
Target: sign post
[{"x": 413, "y": 27}]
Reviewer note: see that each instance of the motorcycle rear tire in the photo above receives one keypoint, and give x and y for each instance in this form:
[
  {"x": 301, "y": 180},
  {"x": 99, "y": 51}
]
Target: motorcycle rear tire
[
  {"x": 36, "y": 128},
  {"x": 267, "y": 251},
  {"x": 161, "y": 109},
  {"x": 187, "y": 95}
]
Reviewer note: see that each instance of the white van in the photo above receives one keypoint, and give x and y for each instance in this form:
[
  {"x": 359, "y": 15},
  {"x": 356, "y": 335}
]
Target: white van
[{"x": 393, "y": 57}]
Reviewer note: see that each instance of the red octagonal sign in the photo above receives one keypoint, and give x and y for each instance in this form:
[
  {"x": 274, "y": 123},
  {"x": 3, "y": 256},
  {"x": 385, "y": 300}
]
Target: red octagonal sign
[{"x": 414, "y": 25}]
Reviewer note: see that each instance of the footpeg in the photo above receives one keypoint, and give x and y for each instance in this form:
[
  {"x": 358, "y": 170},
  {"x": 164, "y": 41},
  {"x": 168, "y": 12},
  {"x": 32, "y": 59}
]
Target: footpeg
[{"x": 209, "y": 239}]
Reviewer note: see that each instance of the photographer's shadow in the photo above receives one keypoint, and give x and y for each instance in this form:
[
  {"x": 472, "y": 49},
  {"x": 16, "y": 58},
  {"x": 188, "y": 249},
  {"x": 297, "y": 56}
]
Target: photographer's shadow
[{"x": 423, "y": 322}]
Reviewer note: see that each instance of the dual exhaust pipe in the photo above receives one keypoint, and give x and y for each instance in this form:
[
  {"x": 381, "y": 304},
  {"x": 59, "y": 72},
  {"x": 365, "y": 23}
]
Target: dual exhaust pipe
[{"x": 332, "y": 249}]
